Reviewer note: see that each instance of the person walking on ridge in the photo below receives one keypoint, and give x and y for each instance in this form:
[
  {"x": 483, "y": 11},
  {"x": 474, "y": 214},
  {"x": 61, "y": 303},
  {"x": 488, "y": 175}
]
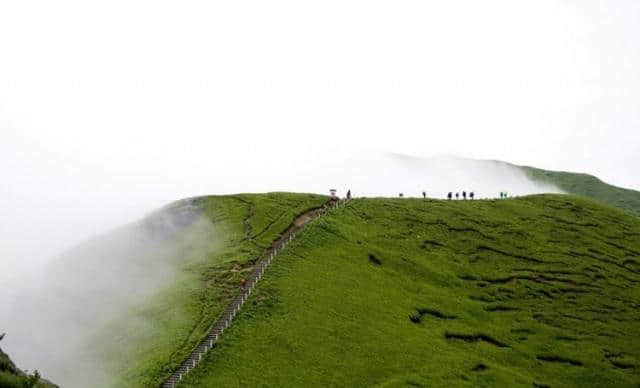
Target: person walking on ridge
[
  {"x": 449, "y": 196},
  {"x": 471, "y": 195},
  {"x": 424, "y": 194},
  {"x": 464, "y": 195},
  {"x": 457, "y": 195},
  {"x": 349, "y": 194}
]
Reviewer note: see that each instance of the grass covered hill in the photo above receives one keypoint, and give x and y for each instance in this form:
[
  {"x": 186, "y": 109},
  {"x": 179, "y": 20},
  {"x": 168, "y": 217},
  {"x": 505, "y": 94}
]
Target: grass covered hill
[
  {"x": 142, "y": 347},
  {"x": 126, "y": 308},
  {"x": 535, "y": 291},
  {"x": 588, "y": 186}
]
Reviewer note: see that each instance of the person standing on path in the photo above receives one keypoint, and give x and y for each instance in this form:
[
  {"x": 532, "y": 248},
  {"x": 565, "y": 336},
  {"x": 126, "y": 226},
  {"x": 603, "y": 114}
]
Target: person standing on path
[
  {"x": 349, "y": 194},
  {"x": 457, "y": 195},
  {"x": 424, "y": 194},
  {"x": 464, "y": 195},
  {"x": 449, "y": 196},
  {"x": 471, "y": 195}
]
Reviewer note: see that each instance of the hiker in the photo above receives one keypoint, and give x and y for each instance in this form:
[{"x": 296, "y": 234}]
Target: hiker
[
  {"x": 349, "y": 194},
  {"x": 471, "y": 195},
  {"x": 501, "y": 195},
  {"x": 244, "y": 282},
  {"x": 449, "y": 196},
  {"x": 424, "y": 194},
  {"x": 401, "y": 195},
  {"x": 457, "y": 195},
  {"x": 464, "y": 195}
]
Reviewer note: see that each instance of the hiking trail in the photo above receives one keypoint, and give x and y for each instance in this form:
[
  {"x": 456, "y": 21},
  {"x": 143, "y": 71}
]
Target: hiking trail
[{"x": 222, "y": 323}]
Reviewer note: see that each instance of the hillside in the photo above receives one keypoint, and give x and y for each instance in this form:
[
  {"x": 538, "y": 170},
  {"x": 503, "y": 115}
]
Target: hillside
[
  {"x": 12, "y": 377},
  {"x": 150, "y": 341},
  {"x": 588, "y": 186},
  {"x": 540, "y": 290},
  {"x": 128, "y": 306}
]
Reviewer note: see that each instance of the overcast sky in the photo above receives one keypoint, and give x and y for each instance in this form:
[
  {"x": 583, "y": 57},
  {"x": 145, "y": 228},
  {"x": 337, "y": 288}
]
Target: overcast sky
[{"x": 110, "y": 109}]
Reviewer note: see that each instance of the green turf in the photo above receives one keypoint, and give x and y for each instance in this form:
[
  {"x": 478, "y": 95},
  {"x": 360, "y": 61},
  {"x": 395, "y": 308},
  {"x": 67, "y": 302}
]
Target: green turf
[
  {"x": 588, "y": 186},
  {"x": 541, "y": 290},
  {"x": 142, "y": 347}
]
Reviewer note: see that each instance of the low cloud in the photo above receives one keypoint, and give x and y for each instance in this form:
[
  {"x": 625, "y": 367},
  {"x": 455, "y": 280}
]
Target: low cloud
[{"x": 52, "y": 315}]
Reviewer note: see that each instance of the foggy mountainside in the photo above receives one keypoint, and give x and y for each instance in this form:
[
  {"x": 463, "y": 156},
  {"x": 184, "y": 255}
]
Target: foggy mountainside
[
  {"x": 128, "y": 306},
  {"x": 56, "y": 313},
  {"x": 12, "y": 377},
  {"x": 121, "y": 309},
  {"x": 288, "y": 194}
]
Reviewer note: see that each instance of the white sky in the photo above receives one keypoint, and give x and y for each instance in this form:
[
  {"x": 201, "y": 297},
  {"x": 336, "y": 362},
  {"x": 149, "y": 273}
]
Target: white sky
[{"x": 110, "y": 109}]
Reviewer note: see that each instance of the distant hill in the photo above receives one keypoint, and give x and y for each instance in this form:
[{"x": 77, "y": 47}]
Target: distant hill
[
  {"x": 588, "y": 186},
  {"x": 487, "y": 178}
]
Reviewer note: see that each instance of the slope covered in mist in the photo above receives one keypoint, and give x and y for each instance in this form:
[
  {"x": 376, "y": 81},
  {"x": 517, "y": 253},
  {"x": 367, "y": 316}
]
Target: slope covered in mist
[
  {"x": 128, "y": 305},
  {"x": 35, "y": 227},
  {"x": 13, "y": 377},
  {"x": 540, "y": 290},
  {"x": 123, "y": 309}
]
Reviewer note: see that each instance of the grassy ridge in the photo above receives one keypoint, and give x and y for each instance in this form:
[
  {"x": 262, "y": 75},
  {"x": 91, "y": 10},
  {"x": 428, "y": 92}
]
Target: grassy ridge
[
  {"x": 142, "y": 347},
  {"x": 540, "y": 290},
  {"x": 588, "y": 186}
]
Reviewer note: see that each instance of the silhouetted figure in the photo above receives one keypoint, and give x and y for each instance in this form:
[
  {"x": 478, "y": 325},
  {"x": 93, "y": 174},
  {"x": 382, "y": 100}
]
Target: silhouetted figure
[
  {"x": 349, "y": 194},
  {"x": 506, "y": 195},
  {"x": 457, "y": 195},
  {"x": 424, "y": 194},
  {"x": 401, "y": 195},
  {"x": 449, "y": 196},
  {"x": 501, "y": 195},
  {"x": 471, "y": 195},
  {"x": 464, "y": 195}
]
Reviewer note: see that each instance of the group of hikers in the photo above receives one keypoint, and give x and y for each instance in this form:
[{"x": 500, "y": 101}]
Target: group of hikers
[
  {"x": 464, "y": 195},
  {"x": 450, "y": 195}
]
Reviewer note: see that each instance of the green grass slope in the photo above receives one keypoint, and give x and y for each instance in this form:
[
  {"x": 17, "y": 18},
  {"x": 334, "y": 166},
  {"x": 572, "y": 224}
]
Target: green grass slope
[
  {"x": 12, "y": 377},
  {"x": 142, "y": 347},
  {"x": 588, "y": 186},
  {"x": 534, "y": 291}
]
